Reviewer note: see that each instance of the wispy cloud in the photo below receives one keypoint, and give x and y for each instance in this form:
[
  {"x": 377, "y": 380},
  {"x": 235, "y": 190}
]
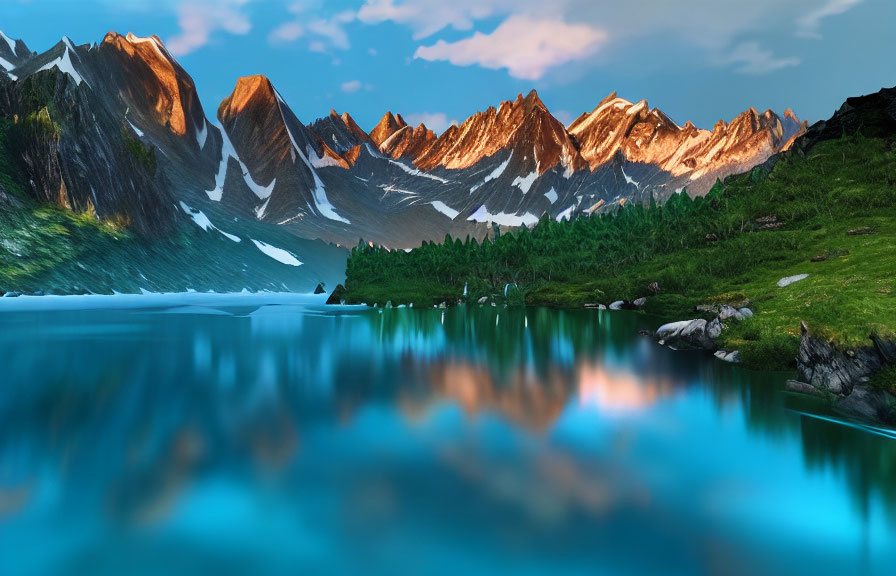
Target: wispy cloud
[
  {"x": 526, "y": 47},
  {"x": 809, "y": 25},
  {"x": 199, "y": 19},
  {"x": 324, "y": 34},
  {"x": 751, "y": 58},
  {"x": 351, "y": 86},
  {"x": 426, "y": 17}
]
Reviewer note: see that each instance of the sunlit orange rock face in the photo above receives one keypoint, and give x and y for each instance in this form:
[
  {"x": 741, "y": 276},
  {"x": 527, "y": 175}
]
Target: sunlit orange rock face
[
  {"x": 153, "y": 80},
  {"x": 409, "y": 142},
  {"x": 265, "y": 132},
  {"x": 252, "y": 117},
  {"x": 525, "y": 126},
  {"x": 648, "y": 136},
  {"x": 388, "y": 126}
]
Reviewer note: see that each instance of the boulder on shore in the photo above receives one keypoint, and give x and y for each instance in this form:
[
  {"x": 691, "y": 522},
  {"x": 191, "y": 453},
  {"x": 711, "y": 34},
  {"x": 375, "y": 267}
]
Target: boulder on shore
[
  {"x": 640, "y": 302},
  {"x": 618, "y": 305},
  {"x": 728, "y": 312}
]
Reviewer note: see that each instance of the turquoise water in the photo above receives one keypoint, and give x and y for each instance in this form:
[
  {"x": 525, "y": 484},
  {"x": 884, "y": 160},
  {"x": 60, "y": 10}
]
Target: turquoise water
[{"x": 271, "y": 435}]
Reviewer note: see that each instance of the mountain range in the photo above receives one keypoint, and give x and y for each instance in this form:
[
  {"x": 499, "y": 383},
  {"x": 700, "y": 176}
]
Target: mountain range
[{"x": 118, "y": 129}]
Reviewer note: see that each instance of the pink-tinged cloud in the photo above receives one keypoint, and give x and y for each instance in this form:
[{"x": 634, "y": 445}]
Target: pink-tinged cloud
[
  {"x": 198, "y": 20},
  {"x": 527, "y": 47},
  {"x": 426, "y": 17}
]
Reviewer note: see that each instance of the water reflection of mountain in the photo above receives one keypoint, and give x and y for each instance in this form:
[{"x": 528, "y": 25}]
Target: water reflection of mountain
[{"x": 128, "y": 407}]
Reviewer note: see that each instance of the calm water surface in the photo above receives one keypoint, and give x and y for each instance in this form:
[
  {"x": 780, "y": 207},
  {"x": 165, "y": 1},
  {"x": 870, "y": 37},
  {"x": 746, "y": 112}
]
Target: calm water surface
[{"x": 270, "y": 435}]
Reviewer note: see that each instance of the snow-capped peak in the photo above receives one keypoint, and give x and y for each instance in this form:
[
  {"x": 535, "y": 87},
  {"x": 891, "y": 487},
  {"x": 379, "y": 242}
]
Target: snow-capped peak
[{"x": 9, "y": 41}]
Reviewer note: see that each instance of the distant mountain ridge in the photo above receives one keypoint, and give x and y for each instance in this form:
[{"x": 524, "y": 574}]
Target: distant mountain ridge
[{"x": 396, "y": 185}]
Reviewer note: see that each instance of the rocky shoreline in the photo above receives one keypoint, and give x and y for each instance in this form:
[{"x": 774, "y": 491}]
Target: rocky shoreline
[{"x": 843, "y": 377}]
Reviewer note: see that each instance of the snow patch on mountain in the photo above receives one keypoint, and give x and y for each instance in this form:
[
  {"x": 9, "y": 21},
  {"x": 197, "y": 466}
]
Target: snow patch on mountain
[
  {"x": 136, "y": 130},
  {"x": 278, "y": 254},
  {"x": 9, "y": 41},
  {"x": 261, "y": 210},
  {"x": 202, "y": 134},
  {"x": 319, "y": 194},
  {"x": 445, "y": 209},
  {"x": 416, "y": 172},
  {"x": 321, "y": 162},
  {"x": 9, "y": 67},
  {"x": 228, "y": 152},
  {"x": 503, "y": 219},
  {"x": 65, "y": 65},
  {"x": 566, "y": 214},
  {"x": 496, "y": 173},
  {"x": 160, "y": 49},
  {"x": 525, "y": 183},
  {"x": 629, "y": 179},
  {"x": 551, "y": 195},
  {"x": 203, "y": 222}
]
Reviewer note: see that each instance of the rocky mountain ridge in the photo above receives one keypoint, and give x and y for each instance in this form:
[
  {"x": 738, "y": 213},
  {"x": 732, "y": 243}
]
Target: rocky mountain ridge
[{"x": 329, "y": 179}]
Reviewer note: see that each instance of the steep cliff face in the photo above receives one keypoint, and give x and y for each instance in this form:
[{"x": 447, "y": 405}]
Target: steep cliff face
[
  {"x": 72, "y": 151},
  {"x": 279, "y": 152},
  {"x": 844, "y": 376},
  {"x": 159, "y": 101},
  {"x": 13, "y": 54}
]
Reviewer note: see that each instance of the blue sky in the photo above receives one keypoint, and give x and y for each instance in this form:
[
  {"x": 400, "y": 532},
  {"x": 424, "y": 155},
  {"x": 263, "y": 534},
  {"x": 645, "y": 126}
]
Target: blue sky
[{"x": 438, "y": 60}]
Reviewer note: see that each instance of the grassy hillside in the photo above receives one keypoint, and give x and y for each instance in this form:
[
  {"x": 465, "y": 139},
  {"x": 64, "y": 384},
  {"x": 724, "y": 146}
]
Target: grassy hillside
[{"x": 830, "y": 213}]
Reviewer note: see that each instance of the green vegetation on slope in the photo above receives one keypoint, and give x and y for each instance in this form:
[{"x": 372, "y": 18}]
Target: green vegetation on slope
[{"x": 830, "y": 214}]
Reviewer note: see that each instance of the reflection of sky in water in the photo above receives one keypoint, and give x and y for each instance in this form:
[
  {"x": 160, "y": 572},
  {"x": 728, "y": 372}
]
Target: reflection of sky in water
[{"x": 233, "y": 437}]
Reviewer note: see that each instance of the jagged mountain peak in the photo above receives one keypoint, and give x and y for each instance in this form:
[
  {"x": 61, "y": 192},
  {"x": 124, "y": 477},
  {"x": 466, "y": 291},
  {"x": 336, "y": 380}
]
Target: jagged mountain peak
[
  {"x": 523, "y": 125},
  {"x": 13, "y": 54},
  {"x": 154, "y": 85},
  {"x": 248, "y": 89},
  {"x": 388, "y": 126},
  {"x": 409, "y": 142},
  {"x": 342, "y": 134}
]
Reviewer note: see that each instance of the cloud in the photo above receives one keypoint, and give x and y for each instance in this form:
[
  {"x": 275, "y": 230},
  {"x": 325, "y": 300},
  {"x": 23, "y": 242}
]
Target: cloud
[
  {"x": 525, "y": 46},
  {"x": 426, "y": 17},
  {"x": 351, "y": 86},
  {"x": 752, "y": 59},
  {"x": 437, "y": 122},
  {"x": 716, "y": 29},
  {"x": 325, "y": 34},
  {"x": 288, "y": 32},
  {"x": 199, "y": 19},
  {"x": 809, "y": 25}
]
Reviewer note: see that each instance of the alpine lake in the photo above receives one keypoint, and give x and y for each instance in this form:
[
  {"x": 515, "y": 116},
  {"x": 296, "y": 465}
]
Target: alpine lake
[{"x": 270, "y": 434}]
